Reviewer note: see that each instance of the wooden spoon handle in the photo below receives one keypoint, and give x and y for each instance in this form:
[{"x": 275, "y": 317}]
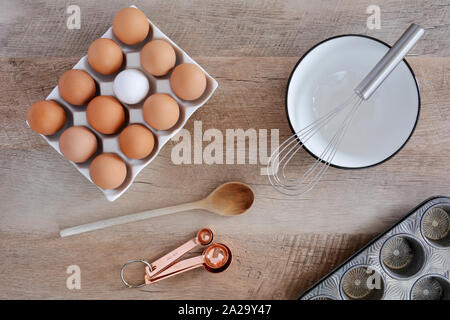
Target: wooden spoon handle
[{"x": 128, "y": 218}]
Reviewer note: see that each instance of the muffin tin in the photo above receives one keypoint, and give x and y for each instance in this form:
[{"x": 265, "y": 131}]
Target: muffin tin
[
  {"x": 76, "y": 116},
  {"x": 401, "y": 264}
]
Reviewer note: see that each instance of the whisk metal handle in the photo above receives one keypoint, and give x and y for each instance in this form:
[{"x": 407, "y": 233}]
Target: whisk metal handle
[{"x": 389, "y": 61}]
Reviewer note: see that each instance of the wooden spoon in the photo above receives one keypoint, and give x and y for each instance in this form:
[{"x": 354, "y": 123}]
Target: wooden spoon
[{"x": 229, "y": 199}]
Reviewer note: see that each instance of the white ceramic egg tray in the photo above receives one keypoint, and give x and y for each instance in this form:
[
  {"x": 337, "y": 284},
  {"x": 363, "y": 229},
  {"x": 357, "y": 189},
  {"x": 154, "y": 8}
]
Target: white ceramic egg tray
[
  {"x": 431, "y": 259},
  {"x": 76, "y": 116}
]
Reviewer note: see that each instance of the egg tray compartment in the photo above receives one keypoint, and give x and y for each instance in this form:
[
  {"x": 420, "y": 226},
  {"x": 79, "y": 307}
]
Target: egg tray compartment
[
  {"x": 76, "y": 115},
  {"x": 429, "y": 263}
]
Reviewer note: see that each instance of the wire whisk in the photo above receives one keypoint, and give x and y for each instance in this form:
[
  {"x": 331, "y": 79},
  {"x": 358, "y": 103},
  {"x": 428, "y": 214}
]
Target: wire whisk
[
  {"x": 291, "y": 146},
  {"x": 281, "y": 157}
]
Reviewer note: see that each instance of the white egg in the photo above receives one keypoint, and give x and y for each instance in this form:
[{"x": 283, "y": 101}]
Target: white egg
[{"x": 131, "y": 86}]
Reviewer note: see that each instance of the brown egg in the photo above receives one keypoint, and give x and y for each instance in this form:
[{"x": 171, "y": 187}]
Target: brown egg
[
  {"x": 108, "y": 171},
  {"x": 76, "y": 87},
  {"x": 188, "y": 81},
  {"x": 136, "y": 141},
  {"x": 46, "y": 117},
  {"x": 77, "y": 144},
  {"x": 161, "y": 111},
  {"x": 158, "y": 57},
  {"x": 130, "y": 25},
  {"x": 105, "y": 114},
  {"x": 105, "y": 56}
]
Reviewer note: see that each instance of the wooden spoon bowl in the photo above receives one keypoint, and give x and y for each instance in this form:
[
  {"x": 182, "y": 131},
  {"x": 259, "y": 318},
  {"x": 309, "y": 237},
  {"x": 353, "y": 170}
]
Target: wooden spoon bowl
[{"x": 230, "y": 199}]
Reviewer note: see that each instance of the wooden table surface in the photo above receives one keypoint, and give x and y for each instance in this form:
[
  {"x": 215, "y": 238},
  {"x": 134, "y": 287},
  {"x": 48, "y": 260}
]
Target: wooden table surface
[{"x": 285, "y": 244}]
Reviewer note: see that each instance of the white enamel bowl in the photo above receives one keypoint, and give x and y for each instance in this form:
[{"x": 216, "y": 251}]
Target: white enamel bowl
[{"x": 326, "y": 76}]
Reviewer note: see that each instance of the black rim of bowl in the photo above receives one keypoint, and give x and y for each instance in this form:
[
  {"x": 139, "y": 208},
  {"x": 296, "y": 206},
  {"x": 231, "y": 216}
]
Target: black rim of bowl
[{"x": 362, "y": 36}]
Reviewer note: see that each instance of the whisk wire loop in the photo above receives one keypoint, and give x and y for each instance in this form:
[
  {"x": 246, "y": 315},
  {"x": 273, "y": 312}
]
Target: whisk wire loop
[{"x": 291, "y": 146}]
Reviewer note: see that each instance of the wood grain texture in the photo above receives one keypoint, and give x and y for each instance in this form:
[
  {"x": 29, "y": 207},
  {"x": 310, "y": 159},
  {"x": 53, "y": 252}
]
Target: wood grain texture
[
  {"x": 284, "y": 244},
  {"x": 270, "y": 266},
  {"x": 221, "y": 28}
]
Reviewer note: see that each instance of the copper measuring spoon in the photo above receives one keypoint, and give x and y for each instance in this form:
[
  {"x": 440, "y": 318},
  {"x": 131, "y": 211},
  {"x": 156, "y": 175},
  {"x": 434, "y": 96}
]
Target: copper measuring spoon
[
  {"x": 215, "y": 258},
  {"x": 229, "y": 199}
]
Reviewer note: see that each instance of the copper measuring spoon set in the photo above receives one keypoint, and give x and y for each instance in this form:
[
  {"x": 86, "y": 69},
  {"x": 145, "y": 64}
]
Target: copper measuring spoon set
[{"x": 215, "y": 258}]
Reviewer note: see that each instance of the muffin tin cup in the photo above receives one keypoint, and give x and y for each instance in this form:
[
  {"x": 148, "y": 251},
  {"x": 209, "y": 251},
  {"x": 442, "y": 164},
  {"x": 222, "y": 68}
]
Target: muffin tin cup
[
  {"x": 410, "y": 268},
  {"x": 443, "y": 284},
  {"x": 374, "y": 278},
  {"x": 429, "y": 259},
  {"x": 76, "y": 115},
  {"x": 440, "y": 243}
]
